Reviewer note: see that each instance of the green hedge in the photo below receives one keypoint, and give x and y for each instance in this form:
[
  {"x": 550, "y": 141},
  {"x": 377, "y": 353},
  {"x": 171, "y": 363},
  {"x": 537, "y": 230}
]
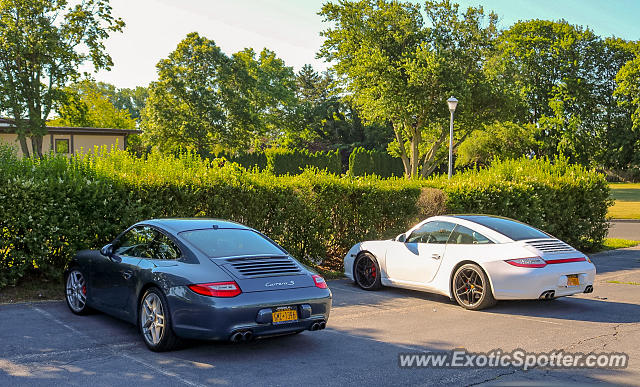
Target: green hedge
[
  {"x": 282, "y": 161},
  {"x": 247, "y": 160},
  {"x": 54, "y": 206},
  {"x": 369, "y": 162}
]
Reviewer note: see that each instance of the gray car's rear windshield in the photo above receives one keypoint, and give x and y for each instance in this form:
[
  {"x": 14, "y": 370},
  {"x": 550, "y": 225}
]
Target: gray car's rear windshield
[
  {"x": 510, "y": 228},
  {"x": 230, "y": 242}
]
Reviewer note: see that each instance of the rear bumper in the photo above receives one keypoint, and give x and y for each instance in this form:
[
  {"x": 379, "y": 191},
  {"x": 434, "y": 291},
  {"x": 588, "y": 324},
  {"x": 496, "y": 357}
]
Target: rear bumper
[
  {"x": 519, "y": 283},
  {"x": 209, "y": 318}
]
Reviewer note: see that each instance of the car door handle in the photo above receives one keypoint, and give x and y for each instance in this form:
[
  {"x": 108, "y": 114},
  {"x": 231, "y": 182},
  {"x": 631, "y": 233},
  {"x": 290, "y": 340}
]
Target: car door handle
[
  {"x": 435, "y": 256},
  {"x": 127, "y": 274}
]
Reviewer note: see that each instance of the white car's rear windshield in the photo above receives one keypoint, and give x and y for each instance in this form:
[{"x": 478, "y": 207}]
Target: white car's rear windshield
[
  {"x": 510, "y": 228},
  {"x": 230, "y": 242}
]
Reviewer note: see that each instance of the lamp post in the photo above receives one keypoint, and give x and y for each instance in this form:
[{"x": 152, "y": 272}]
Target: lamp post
[{"x": 452, "y": 102}]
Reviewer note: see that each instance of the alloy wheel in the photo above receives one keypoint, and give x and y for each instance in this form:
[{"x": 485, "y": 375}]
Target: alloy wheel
[{"x": 76, "y": 291}]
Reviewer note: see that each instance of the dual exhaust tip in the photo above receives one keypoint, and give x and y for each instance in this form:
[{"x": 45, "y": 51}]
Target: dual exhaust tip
[
  {"x": 548, "y": 295},
  {"x": 318, "y": 326},
  {"x": 241, "y": 336},
  {"x": 588, "y": 289}
]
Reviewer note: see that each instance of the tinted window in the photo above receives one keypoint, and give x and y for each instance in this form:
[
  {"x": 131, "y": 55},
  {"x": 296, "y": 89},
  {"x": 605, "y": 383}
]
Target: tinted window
[
  {"x": 136, "y": 242},
  {"x": 510, "y": 228},
  {"x": 230, "y": 242},
  {"x": 432, "y": 232},
  {"x": 163, "y": 248},
  {"x": 462, "y": 235}
]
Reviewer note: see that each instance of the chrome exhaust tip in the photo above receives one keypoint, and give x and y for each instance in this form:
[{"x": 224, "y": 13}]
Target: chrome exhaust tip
[
  {"x": 588, "y": 289},
  {"x": 323, "y": 325},
  {"x": 314, "y": 327},
  {"x": 247, "y": 336},
  {"x": 237, "y": 337},
  {"x": 548, "y": 295}
]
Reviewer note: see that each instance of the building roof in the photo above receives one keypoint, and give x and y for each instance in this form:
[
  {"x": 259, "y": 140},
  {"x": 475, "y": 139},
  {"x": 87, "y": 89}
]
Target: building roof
[{"x": 8, "y": 123}]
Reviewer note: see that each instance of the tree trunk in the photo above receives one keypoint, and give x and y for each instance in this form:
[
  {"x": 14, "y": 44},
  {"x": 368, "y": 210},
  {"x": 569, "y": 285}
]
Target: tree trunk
[
  {"x": 36, "y": 146},
  {"x": 403, "y": 153},
  {"x": 24, "y": 146},
  {"x": 415, "y": 151}
]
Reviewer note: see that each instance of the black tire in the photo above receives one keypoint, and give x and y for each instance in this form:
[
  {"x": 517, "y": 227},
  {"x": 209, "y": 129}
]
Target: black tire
[
  {"x": 166, "y": 340},
  {"x": 465, "y": 284},
  {"x": 366, "y": 272},
  {"x": 75, "y": 290}
]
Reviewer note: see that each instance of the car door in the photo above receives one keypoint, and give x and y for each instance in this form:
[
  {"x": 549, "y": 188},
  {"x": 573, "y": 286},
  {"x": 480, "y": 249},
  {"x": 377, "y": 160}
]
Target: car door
[
  {"x": 115, "y": 276},
  {"x": 417, "y": 259}
]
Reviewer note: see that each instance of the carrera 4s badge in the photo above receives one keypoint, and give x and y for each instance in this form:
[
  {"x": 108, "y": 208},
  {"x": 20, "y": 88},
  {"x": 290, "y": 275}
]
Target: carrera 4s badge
[{"x": 271, "y": 284}]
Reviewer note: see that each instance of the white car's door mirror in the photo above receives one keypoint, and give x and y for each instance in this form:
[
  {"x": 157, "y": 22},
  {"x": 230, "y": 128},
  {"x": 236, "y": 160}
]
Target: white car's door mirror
[{"x": 401, "y": 238}]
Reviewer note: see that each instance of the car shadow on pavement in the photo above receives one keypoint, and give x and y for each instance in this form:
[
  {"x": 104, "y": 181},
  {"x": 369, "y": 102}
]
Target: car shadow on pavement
[{"x": 572, "y": 308}]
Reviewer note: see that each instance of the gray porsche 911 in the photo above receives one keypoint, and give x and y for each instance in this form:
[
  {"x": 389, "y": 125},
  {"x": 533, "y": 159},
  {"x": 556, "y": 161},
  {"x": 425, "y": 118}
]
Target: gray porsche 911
[{"x": 198, "y": 279}]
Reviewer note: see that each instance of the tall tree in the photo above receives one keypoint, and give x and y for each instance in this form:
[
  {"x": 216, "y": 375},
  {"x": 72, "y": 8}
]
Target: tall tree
[
  {"x": 200, "y": 100},
  {"x": 399, "y": 69},
  {"x": 42, "y": 44}
]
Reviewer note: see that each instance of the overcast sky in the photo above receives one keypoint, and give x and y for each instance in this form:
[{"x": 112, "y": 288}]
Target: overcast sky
[{"x": 291, "y": 27}]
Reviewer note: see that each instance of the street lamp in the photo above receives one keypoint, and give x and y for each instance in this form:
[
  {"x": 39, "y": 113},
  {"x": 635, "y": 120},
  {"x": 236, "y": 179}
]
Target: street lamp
[{"x": 452, "y": 102}]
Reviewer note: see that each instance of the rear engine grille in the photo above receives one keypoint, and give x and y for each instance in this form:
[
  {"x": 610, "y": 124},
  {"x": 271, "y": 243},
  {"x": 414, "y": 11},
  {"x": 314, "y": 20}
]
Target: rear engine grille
[
  {"x": 264, "y": 267},
  {"x": 551, "y": 246}
]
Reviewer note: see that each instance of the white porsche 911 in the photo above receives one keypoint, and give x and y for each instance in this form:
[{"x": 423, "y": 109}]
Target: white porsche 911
[{"x": 474, "y": 259}]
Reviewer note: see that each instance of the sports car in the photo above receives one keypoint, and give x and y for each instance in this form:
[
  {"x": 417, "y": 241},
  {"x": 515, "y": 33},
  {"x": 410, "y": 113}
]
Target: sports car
[
  {"x": 198, "y": 279},
  {"x": 474, "y": 260}
]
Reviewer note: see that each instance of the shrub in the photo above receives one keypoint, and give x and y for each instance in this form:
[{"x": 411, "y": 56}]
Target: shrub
[
  {"x": 369, "y": 162},
  {"x": 282, "y": 161},
  {"x": 53, "y": 207}
]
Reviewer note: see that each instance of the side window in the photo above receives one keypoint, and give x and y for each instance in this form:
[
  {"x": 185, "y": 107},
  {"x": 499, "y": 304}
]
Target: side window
[
  {"x": 164, "y": 248},
  {"x": 136, "y": 242},
  {"x": 462, "y": 235},
  {"x": 432, "y": 232}
]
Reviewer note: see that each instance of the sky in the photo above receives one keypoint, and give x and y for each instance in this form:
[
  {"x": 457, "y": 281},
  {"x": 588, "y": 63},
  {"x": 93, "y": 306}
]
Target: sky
[{"x": 291, "y": 27}]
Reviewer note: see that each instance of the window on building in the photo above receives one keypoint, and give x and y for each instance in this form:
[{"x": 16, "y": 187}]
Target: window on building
[{"x": 62, "y": 145}]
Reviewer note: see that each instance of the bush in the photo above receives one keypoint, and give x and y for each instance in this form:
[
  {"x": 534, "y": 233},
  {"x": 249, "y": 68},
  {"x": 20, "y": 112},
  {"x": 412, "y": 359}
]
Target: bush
[
  {"x": 53, "y": 207},
  {"x": 364, "y": 162},
  {"x": 282, "y": 161},
  {"x": 247, "y": 160}
]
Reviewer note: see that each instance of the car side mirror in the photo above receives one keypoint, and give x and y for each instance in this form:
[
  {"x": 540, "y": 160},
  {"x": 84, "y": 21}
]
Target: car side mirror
[
  {"x": 401, "y": 238},
  {"x": 107, "y": 250}
]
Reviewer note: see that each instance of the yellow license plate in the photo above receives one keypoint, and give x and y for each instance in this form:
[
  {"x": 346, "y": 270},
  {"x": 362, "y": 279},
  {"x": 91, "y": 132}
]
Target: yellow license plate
[
  {"x": 573, "y": 280},
  {"x": 284, "y": 315}
]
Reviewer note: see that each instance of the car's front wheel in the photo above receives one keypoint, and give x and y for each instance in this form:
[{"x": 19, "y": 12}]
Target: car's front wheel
[
  {"x": 471, "y": 288},
  {"x": 155, "y": 321},
  {"x": 367, "y": 272},
  {"x": 76, "y": 292}
]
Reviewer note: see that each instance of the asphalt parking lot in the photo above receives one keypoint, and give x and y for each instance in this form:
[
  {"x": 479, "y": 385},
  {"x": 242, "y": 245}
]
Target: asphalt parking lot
[{"x": 44, "y": 344}]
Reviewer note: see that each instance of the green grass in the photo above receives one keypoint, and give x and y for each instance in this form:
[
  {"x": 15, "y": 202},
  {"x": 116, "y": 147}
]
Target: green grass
[
  {"x": 617, "y": 243},
  {"x": 624, "y": 283},
  {"x": 627, "y": 201}
]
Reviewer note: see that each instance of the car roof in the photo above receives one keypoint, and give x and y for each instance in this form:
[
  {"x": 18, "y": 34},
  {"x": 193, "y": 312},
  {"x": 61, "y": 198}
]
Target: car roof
[{"x": 178, "y": 225}]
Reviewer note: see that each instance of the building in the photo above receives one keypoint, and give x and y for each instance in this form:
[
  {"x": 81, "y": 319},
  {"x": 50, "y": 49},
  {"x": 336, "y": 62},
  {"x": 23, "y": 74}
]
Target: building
[{"x": 67, "y": 140}]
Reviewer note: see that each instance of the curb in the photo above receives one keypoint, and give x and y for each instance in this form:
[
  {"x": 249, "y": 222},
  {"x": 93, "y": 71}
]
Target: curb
[{"x": 624, "y": 220}]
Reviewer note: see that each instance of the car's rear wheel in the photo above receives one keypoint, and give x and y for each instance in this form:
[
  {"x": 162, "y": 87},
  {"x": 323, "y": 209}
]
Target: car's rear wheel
[
  {"x": 76, "y": 292},
  {"x": 471, "y": 288},
  {"x": 367, "y": 272},
  {"x": 155, "y": 321}
]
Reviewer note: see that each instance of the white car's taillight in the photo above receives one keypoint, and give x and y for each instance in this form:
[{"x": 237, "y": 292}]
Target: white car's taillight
[
  {"x": 217, "y": 289},
  {"x": 527, "y": 262}
]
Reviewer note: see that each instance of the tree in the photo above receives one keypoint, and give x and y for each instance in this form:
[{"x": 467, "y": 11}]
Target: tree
[
  {"x": 42, "y": 44},
  {"x": 399, "y": 69},
  {"x": 271, "y": 92},
  {"x": 504, "y": 140},
  {"x": 88, "y": 106},
  {"x": 200, "y": 100},
  {"x": 628, "y": 91}
]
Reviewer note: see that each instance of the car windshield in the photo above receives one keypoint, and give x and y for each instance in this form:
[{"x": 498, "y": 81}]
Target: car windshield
[
  {"x": 510, "y": 228},
  {"x": 230, "y": 242}
]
